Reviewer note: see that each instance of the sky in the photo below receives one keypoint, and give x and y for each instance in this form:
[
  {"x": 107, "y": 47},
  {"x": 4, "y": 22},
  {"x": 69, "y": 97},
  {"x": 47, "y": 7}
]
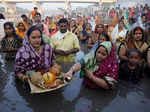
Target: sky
[
  {"x": 30, "y": 6},
  {"x": 124, "y": 3}
]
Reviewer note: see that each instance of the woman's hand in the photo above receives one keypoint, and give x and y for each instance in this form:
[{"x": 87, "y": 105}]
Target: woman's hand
[
  {"x": 72, "y": 70},
  {"x": 89, "y": 74},
  {"x": 98, "y": 81},
  {"x": 25, "y": 78},
  {"x": 22, "y": 77},
  {"x": 68, "y": 75}
]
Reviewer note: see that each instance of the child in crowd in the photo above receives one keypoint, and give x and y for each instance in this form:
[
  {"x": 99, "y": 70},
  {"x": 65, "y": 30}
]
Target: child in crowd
[
  {"x": 11, "y": 41},
  {"x": 131, "y": 70}
]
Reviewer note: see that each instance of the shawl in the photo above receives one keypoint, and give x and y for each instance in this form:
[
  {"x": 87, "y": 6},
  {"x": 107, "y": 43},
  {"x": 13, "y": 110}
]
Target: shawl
[
  {"x": 108, "y": 67},
  {"x": 28, "y": 59}
]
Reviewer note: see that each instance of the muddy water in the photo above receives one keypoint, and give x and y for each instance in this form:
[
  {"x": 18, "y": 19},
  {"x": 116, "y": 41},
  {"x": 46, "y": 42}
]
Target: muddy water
[{"x": 16, "y": 97}]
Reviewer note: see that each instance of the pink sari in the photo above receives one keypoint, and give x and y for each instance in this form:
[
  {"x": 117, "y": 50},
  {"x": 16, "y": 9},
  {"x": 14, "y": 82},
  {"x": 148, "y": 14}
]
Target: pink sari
[{"x": 108, "y": 68}]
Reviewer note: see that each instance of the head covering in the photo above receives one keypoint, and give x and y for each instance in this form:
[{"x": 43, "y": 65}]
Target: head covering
[
  {"x": 107, "y": 68},
  {"x": 28, "y": 59},
  {"x": 30, "y": 30},
  {"x": 21, "y": 23},
  {"x": 107, "y": 45},
  {"x": 21, "y": 33}
]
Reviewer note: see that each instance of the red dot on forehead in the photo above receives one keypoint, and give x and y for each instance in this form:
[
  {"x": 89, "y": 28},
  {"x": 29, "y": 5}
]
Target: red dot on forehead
[{"x": 138, "y": 30}]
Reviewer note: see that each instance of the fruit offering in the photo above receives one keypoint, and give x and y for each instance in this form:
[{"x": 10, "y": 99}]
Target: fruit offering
[
  {"x": 49, "y": 78},
  {"x": 55, "y": 69}
]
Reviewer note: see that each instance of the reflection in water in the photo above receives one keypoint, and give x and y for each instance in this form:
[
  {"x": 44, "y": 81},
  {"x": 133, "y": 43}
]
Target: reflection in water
[
  {"x": 12, "y": 102},
  {"x": 99, "y": 97},
  {"x": 75, "y": 97},
  {"x": 44, "y": 102},
  {"x": 3, "y": 81},
  {"x": 75, "y": 86},
  {"x": 83, "y": 105},
  {"x": 73, "y": 89},
  {"x": 130, "y": 98}
]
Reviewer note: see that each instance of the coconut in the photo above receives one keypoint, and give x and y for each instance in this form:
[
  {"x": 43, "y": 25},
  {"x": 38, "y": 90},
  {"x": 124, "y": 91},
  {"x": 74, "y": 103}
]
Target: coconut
[
  {"x": 49, "y": 78},
  {"x": 56, "y": 69},
  {"x": 36, "y": 77}
]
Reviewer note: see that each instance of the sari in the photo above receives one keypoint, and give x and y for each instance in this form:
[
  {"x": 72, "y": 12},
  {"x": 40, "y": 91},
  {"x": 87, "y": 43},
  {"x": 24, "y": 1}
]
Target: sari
[
  {"x": 27, "y": 59},
  {"x": 107, "y": 69},
  {"x": 21, "y": 33},
  {"x": 132, "y": 44}
]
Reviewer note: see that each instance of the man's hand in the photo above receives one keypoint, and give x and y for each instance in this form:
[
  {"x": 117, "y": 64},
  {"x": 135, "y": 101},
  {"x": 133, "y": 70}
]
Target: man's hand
[
  {"x": 65, "y": 53},
  {"x": 59, "y": 52},
  {"x": 74, "y": 50}
]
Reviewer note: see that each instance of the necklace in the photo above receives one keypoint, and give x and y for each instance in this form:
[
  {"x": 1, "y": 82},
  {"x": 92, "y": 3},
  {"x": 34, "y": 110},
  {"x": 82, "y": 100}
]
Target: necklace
[{"x": 39, "y": 50}]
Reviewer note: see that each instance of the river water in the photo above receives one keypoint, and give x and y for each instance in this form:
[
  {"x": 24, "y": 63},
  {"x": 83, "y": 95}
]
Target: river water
[{"x": 75, "y": 97}]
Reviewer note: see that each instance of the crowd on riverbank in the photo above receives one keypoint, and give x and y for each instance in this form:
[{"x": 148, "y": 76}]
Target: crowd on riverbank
[{"x": 118, "y": 42}]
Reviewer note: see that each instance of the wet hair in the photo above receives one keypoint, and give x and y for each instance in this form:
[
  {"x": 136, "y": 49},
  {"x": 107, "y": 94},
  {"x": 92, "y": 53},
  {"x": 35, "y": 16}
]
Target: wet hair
[
  {"x": 33, "y": 28},
  {"x": 2, "y": 16},
  {"x": 63, "y": 20},
  {"x": 139, "y": 28},
  {"x": 134, "y": 50},
  {"x": 12, "y": 26}
]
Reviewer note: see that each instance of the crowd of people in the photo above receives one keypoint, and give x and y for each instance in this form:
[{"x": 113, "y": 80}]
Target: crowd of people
[{"x": 118, "y": 49}]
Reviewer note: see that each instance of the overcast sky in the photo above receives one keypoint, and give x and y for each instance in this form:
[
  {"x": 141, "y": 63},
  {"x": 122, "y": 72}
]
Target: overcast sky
[
  {"x": 123, "y": 3},
  {"x": 30, "y": 6}
]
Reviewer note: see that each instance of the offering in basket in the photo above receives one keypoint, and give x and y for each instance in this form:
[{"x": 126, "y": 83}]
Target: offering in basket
[{"x": 51, "y": 79}]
